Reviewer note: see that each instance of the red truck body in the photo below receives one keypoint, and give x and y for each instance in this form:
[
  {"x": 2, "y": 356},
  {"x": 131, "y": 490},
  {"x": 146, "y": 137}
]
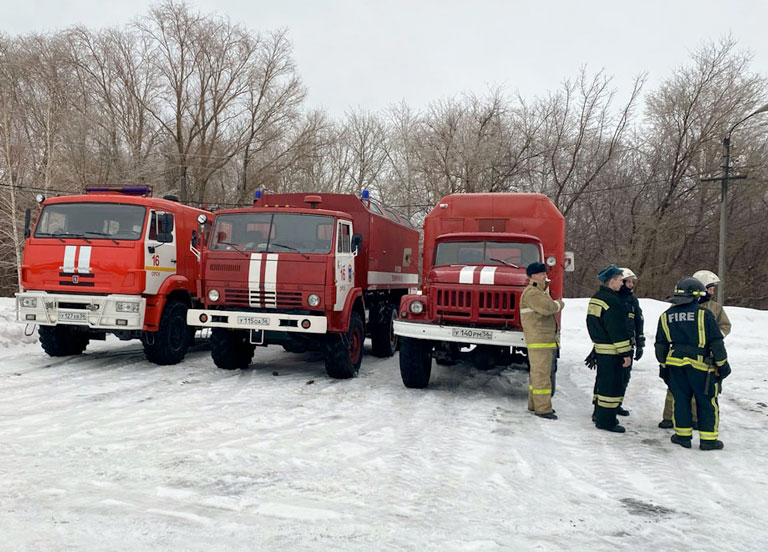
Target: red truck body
[
  {"x": 476, "y": 249},
  {"x": 305, "y": 271},
  {"x": 114, "y": 260}
]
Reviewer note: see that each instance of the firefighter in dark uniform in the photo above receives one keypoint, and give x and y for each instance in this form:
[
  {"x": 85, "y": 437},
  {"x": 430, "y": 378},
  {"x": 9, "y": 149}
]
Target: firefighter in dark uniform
[
  {"x": 635, "y": 325},
  {"x": 607, "y": 326},
  {"x": 693, "y": 363}
]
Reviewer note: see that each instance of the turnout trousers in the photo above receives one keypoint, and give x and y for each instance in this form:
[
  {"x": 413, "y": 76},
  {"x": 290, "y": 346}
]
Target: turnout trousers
[
  {"x": 609, "y": 389},
  {"x": 540, "y": 382},
  {"x": 686, "y": 382},
  {"x": 669, "y": 407}
]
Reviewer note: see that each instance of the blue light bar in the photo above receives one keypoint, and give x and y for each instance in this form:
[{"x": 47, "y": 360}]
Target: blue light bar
[
  {"x": 365, "y": 195},
  {"x": 127, "y": 190}
]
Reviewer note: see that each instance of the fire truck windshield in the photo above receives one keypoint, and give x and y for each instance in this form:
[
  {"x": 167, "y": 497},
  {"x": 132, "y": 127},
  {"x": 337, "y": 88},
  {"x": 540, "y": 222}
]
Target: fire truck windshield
[
  {"x": 486, "y": 253},
  {"x": 273, "y": 232},
  {"x": 92, "y": 221}
]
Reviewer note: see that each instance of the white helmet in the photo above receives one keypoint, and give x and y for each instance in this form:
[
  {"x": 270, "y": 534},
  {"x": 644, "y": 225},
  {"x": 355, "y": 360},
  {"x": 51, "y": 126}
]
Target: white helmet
[
  {"x": 706, "y": 277},
  {"x": 626, "y": 274}
]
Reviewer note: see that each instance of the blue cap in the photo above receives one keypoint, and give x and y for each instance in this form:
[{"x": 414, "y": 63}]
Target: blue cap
[
  {"x": 609, "y": 272},
  {"x": 535, "y": 268}
]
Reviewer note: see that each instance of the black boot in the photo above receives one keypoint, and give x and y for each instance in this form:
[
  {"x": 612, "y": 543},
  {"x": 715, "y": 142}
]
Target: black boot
[
  {"x": 615, "y": 429},
  {"x": 620, "y": 411},
  {"x": 548, "y": 416},
  {"x": 665, "y": 424},
  {"x": 684, "y": 442},
  {"x": 714, "y": 444}
]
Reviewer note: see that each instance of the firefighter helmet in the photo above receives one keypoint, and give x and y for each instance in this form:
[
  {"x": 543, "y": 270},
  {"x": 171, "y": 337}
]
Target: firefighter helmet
[
  {"x": 626, "y": 274},
  {"x": 687, "y": 290},
  {"x": 706, "y": 277}
]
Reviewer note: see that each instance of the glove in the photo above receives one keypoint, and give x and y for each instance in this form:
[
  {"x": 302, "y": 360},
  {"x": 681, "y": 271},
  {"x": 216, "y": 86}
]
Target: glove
[
  {"x": 591, "y": 360},
  {"x": 664, "y": 373},
  {"x": 723, "y": 372},
  {"x": 638, "y": 353}
]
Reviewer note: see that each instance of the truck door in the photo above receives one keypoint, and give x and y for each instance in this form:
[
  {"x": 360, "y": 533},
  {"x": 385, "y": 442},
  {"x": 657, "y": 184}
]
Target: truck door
[
  {"x": 345, "y": 264},
  {"x": 160, "y": 250}
]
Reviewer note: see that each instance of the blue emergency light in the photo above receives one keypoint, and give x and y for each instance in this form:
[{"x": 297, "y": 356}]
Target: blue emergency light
[
  {"x": 365, "y": 195},
  {"x": 257, "y": 195}
]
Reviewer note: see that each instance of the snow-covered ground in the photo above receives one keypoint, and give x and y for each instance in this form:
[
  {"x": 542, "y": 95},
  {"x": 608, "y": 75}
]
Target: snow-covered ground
[{"x": 109, "y": 452}]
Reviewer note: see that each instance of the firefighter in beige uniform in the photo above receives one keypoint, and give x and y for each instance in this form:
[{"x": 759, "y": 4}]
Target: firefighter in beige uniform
[
  {"x": 538, "y": 316},
  {"x": 710, "y": 281}
]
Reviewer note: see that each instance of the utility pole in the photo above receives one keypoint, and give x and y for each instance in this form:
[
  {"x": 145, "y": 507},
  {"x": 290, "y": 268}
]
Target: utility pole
[{"x": 721, "y": 259}]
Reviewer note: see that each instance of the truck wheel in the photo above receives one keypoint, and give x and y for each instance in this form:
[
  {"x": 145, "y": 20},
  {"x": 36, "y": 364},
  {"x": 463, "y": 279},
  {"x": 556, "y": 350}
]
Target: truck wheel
[
  {"x": 170, "y": 342},
  {"x": 415, "y": 362},
  {"x": 231, "y": 349},
  {"x": 344, "y": 353},
  {"x": 383, "y": 338},
  {"x": 62, "y": 340}
]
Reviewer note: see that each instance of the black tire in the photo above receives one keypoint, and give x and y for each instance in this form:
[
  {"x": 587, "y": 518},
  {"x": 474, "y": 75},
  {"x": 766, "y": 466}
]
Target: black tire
[
  {"x": 344, "y": 352},
  {"x": 383, "y": 338},
  {"x": 169, "y": 344},
  {"x": 231, "y": 349},
  {"x": 415, "y": 362},
  {"x": 62, "y": 340}
]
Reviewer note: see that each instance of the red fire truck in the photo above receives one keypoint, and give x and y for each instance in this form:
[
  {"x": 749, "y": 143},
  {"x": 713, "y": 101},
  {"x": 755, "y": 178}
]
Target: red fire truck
[
  {"x": 115, "y": 260},
  {"x": 476, "y": 249},
  {"x": 303, "y": 271}
]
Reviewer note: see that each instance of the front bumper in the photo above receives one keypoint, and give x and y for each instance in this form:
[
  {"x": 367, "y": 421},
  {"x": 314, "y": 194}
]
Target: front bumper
[
  {"x": 248, "y": 320},
  {"x": 93, "y": 311},
  {"x": 459, "y": 334}
]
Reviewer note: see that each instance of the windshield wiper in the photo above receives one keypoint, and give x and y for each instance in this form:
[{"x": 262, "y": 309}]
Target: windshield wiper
[
  {"x": 102, "y": 234},
  {"x": 48, "y": 235},
  {"x": 291, "y": 248},
  {"x": 503, "y": 262},
  {"x": 67, "y": 234},
  {"x": 235, "y": 247}
]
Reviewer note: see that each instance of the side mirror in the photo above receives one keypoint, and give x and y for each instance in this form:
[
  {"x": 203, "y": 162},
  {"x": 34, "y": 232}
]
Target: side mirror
[
  {"x": 165, "y": 228},
  {"x": 357, "y": 243},
  {"x": 194, "y": 238},
  {"x": 27, "y": 220},
  {"x": 568, "y": 265}
]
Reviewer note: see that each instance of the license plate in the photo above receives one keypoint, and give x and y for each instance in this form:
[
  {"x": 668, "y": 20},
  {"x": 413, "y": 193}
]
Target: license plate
[
  {"x": 473, "y": 334},
  {"x": 73, "y": 316},
  {"x": 252, "y": 321}
]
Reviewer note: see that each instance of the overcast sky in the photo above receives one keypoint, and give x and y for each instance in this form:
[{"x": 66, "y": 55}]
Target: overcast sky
[{"x": 370, "y": 54}]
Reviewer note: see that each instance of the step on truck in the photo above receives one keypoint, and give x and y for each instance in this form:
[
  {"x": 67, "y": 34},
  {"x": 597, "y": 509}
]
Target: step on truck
[
  {"x": 308, "y": 272},
  {"x": 115, "y": 260},
  {"x": 476, "y": 249}
]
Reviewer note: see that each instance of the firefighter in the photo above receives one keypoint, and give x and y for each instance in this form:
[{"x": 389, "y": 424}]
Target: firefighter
[
  {"x": 607, "y": 326},
  {"x": 538, "y": 314},
  {"x": 693, "y": 363},
  {"x": 710, "y": 281},
  {"x": 635, "y": 324}
]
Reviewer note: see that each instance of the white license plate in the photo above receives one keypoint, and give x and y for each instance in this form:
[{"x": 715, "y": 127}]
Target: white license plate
[
  {"x": 472, "y": 334},
  {"x": 73, "y": 316},
  {"x": 252, "y": 321}
]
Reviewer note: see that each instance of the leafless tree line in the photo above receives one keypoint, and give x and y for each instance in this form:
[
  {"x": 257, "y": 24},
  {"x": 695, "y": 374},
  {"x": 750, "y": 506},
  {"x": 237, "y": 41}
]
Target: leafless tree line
[{"x": 210, "y": 111}]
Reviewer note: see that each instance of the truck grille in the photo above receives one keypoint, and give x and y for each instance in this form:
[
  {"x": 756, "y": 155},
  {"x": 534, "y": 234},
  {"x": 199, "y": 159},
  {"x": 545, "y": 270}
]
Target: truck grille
[
  {"x": 485, "y": 306},
  {"x": 280, "y": 299}
]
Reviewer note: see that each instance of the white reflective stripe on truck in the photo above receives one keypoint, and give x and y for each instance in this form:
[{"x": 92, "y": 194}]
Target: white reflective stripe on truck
[
  {"x": 375, "y": 277},
  {"x": 69, "y": 258},
  {"x": 270, "y": 281},
  {"x": 254, "y": 279},
  {"x": 488, "y": 275},
  {"x": 467, "y": 275},
  {"x": 84, "y": 259}
]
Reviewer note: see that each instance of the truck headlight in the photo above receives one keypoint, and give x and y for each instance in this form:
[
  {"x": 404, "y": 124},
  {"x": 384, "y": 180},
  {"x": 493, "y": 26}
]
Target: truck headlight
[
  {"x": 124, "y": 306},
  {"x": 29, "y": 302},
  {"x": 417, "y": 307},
  {"x": 313, "y": 300},
  {"x": 213, "y": 295}
]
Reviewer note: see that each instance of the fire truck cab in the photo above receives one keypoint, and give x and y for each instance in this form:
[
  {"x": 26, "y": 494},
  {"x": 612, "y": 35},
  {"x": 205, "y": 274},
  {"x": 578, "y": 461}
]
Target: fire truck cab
[
  {"x": 476, "y": 250},
  {"x": 114, "y": 260},
  {"x": 306, "y": 271}
]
